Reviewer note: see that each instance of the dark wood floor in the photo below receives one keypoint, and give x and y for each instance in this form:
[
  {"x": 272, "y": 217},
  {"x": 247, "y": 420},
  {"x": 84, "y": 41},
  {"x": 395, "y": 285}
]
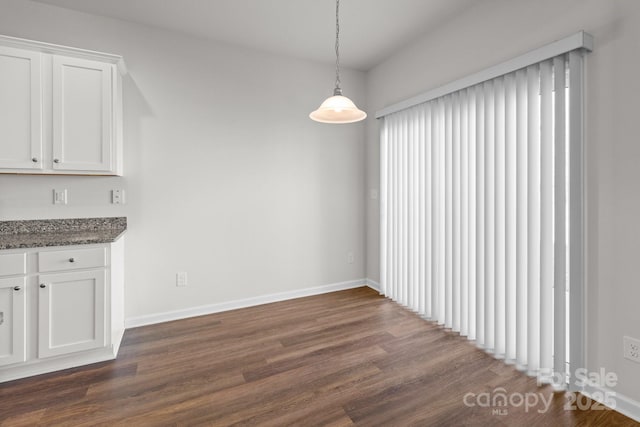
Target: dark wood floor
[{"x": 337, "y": 359}]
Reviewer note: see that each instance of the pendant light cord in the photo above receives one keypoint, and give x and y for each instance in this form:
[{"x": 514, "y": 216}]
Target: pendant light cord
[{"x": 337, "y": 90}]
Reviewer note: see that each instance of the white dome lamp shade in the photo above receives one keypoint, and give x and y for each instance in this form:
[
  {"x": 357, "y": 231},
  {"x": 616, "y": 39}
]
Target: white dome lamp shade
[{"x": 338, "y": 108}]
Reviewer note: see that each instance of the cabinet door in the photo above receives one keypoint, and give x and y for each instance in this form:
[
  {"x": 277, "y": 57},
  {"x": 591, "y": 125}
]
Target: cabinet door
[
  {"x": 12, "y": 321},
  {"x": 82, "y": 115},
  {"x": 20, "y": 109},
  {"x": 71, "y": 308}
]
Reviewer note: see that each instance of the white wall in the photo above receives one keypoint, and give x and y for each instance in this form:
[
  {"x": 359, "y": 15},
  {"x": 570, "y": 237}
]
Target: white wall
[
  {"x": 226, "y": 177},
  {"x": 494, "y": 31}
]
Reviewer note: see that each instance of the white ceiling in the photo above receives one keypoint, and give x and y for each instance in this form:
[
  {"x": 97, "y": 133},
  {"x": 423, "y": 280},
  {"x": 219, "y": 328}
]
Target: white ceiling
[{"x": 370, "y": 30}]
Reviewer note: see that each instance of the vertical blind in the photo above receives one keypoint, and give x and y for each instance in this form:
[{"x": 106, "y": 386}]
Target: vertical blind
[{"x": 475, "y": 189}]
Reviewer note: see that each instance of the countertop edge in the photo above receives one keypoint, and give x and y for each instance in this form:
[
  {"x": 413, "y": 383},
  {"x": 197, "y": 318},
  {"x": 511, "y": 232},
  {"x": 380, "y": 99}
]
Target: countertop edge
[{"x": 62, "y": 242}]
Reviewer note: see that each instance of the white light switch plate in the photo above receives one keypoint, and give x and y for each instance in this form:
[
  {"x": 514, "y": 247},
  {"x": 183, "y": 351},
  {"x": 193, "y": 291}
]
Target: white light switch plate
[
  {"x": 60, "y": 197},
  {"x": 181, "y": 279},
  {"x": 117, "y": 197}
]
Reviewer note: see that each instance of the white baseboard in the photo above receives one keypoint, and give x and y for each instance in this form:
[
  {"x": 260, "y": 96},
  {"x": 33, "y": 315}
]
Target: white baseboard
[
  {"x": 623, "y": 404},
  {"x": 374, "y": 285},
  {"x": 58, "y": 363},
  {"x": 202, "y": 310}
]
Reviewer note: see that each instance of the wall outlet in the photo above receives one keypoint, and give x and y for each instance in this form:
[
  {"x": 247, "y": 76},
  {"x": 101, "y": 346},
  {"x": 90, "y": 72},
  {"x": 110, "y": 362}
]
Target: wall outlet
[
  {"x": 60, "y": 197},
  {"x": 631, "y": 349},
  {"x": 181, "y": 279},
  {"x": 117, "y": 197},
  {"x": 350, "y": 258}
]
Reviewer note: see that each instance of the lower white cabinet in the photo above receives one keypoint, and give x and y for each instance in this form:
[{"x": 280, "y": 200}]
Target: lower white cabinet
[
  {"x": 60, "y": 307},
  {"x": 71, "y": 312},
  {"x": 12, "y": 320}
]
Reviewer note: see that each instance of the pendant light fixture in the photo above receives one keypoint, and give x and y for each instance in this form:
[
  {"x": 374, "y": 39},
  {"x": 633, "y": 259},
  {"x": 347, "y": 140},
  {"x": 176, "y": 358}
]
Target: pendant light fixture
[{"x": 338, "y": 108}]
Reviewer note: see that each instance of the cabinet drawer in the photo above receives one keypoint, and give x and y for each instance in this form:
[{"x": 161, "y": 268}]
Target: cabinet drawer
[
  {"x": 13, "y": 264},
  {"x": 72, "y": 259}
]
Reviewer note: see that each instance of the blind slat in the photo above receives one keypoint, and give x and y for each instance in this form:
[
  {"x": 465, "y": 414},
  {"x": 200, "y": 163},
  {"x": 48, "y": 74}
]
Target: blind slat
[
  {"x": 533, "y": 224},
  {"x": 521, "y": 219},
  {"x": 546, "y": 216},
  {"x": 489, "y": 212},
  {"x": 576, "y": 215},
  {"x": 472, "y": 213},
  {"x": 411, "y": 212},
  {"x": 511, "y": 161},
  {"x": 404, "y": 260},
  {"x": 396, "y": 206},
  {"x": 480, "y": 228},
  {"x": 441, "y": 209},
  {"x": 428, "y": 212},
  {"x": 422, "y": 225},
  {"x": 560, "y": 220},
  {"x": 384, "y": 167},
  {"x": 499, "y": 220},
  {"x": 448, "y": 215},
  {"x": 464, "y": 214},
  {"x": 435, "y": 231},
  {"x": 455, "y": 207}
]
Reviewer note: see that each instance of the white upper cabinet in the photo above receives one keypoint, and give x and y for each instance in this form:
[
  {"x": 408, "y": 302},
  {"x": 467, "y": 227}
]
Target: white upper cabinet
[
  {"x": 20, "y": 109},
  {"x": 60, "y": 109},
  {"x": 82, "y": 121}
]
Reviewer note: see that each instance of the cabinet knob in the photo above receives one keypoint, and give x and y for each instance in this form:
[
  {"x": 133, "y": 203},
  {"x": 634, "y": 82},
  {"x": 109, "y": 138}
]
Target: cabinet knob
[
  {"x": 72, "y": 260},
  {"x": 56, "y": 160},
  {"x": 42, "y": 285},
  {"x": 34, "y": 159},
  {"x": 16, "y": 288}
]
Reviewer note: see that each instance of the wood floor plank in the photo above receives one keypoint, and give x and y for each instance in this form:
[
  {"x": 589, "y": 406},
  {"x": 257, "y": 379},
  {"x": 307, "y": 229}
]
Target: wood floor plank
[{"x": 338, "y": 359}]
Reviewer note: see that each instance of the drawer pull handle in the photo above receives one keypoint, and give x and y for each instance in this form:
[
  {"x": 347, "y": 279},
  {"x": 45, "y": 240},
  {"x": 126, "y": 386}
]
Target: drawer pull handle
[
  {"x": 16, "y": 288},
  {"x": 42, "y": 285},
  {"x": 56, "y": 160},
  {"x": 72, "y": 260},
  {"x": 34, "y": 160}
]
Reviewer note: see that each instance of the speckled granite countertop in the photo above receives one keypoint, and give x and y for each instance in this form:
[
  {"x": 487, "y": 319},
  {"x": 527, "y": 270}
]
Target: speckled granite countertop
[{"x": 60, "y": 232}]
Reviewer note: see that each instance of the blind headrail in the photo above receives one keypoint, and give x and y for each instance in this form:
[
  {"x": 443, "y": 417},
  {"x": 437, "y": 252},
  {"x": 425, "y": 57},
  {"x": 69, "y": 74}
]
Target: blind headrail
[{"x": 579, "y": 40}]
